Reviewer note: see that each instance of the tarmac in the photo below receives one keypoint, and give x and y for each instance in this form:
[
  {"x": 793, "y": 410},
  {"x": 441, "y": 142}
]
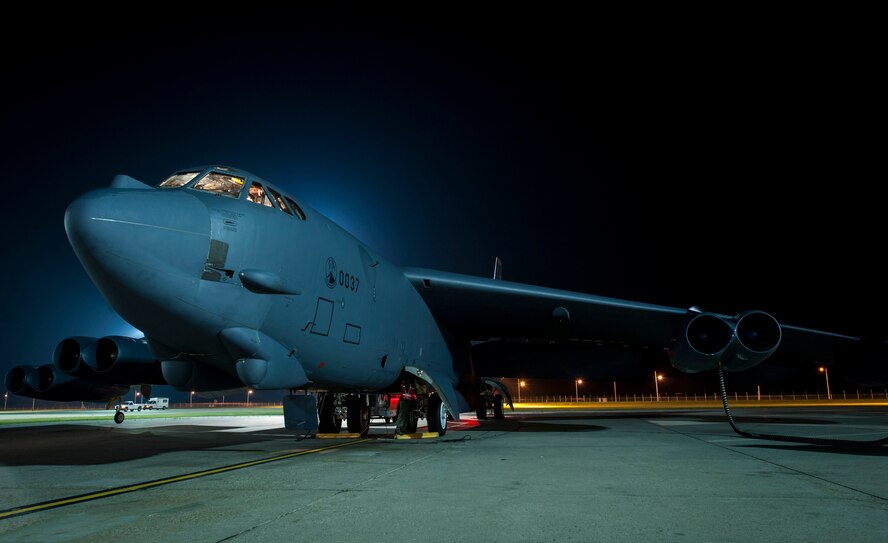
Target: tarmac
[{"x": 539, "y": 475}]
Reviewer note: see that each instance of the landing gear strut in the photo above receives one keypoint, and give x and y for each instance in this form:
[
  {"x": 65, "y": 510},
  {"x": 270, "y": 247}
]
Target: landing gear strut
[
  {"x": 408, "y": 418},
  {"x": 330, "y": 421},
  {"x": 489, "y": 401}
]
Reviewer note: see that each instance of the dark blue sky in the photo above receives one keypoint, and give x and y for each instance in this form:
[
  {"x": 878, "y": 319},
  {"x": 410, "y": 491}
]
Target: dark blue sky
[{"x": 723, "y": 169}]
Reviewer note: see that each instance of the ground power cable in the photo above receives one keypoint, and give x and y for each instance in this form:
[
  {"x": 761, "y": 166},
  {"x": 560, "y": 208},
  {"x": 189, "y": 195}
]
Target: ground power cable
[{"x": 821, "y": 441}]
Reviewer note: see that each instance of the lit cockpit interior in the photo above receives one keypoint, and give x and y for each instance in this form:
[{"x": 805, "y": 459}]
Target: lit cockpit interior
[{"x": 225, "y": 182}]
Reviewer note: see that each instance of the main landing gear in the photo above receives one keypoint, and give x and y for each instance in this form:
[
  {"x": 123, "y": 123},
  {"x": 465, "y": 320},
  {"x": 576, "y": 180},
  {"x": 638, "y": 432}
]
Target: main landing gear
[
  {"x": 353, "y": 408},
  {"x": 489, "y": 401}
]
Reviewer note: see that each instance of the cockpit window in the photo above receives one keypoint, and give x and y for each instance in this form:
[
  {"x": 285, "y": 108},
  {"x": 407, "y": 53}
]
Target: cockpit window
[
  {"x": 257, "y": 195},
  {"x": 220, "y": 183},
  {"x": 296, "y": 209},
  {"x": 178, "y": 180},
  {"x": 280, "y": 201}
]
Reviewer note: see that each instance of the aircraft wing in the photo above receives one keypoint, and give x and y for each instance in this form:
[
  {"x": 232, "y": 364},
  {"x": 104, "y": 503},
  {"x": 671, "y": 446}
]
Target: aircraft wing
[{"x": 478, "y": 309}]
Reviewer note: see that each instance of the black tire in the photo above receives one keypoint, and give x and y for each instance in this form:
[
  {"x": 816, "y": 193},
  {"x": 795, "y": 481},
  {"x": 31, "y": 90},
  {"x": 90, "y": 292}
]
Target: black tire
[
  {"x": 481, "y": 410},
  {"x": 328, "y": 423},
  {"x": 358, "y": 415},
  {"x": 498, "y": 407},
  {"x": 407, "y": 420},
  {"x": 118, "y": 417},
  {"x": 437, "y": 415}
]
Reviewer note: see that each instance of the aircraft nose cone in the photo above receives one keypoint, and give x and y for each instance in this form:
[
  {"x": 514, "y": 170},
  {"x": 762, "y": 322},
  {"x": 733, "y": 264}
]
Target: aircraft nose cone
[{"x": 136, "y": 239}]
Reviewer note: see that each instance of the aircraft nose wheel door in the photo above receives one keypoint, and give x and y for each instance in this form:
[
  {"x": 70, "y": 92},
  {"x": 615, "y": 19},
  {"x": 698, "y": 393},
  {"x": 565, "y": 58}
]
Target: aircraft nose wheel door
[{"x": 358, "y": 414}]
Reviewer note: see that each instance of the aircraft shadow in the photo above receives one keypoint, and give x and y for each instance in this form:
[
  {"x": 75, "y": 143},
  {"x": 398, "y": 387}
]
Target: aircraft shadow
[
  {"x": 683, "y": 415},
  {"x": 78, "y": 445},
  {"x": 536, "y": 423}
]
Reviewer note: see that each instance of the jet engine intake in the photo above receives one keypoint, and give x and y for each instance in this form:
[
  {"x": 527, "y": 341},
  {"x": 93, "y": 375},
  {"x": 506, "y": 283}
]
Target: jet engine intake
[
  {"x": 48, "y": 383},
  {"x": 756, "y": 336},
  {"x": 739, "y": 343},
  {"x": 703, "y": 341},
  {"x": 17, "y": 380},
  {"x": 68, "y": 355},
  {"x": 124, "y": 359}
]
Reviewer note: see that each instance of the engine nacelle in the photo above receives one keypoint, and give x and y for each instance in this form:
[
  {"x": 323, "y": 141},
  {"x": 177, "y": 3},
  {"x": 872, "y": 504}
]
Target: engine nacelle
[
  {"x": 48, "y": 383},
  {"x": 704, "y": 340},
  {"x": 756, "y": 336},
  {"x": 124, "y": 360},
  {"x": 739, "y": 343},
  {"x": 68, "y": 355},
  {"x": 17, "y": 380}
]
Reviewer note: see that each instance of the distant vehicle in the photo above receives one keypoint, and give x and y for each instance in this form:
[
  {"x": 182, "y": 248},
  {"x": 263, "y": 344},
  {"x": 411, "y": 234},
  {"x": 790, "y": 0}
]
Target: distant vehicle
[
  {"x": 128, "y": 406},
  {"x": 158, "y": 403}
]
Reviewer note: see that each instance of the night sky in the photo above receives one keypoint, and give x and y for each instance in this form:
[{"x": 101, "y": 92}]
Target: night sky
[{"x": 730, "y": 169}]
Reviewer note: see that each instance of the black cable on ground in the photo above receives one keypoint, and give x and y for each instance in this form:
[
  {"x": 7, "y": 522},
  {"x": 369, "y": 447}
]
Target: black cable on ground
[{"x": 822, "y": 441}]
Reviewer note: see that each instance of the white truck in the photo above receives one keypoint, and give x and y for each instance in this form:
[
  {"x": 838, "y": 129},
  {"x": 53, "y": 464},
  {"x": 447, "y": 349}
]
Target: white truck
[{"x": 157, "y": 403}]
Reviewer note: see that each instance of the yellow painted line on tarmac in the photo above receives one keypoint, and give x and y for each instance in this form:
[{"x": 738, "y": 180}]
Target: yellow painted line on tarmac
[
  {"x": 338, "y": 436},
  {"x": 71, "y": 500}
]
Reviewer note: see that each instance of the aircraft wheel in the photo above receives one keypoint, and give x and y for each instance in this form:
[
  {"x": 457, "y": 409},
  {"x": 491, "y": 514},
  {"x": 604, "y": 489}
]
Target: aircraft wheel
[
  {"x": 358, "y": 415},
  {"x": 437, "y": 415},
  {"x": 481, "y": 410},
  {"x": 328, "y": 422},
  {"x": 407, "y": 419},
  {"x": 498, "y": 407},
  {"x": 118, "y": 417}
]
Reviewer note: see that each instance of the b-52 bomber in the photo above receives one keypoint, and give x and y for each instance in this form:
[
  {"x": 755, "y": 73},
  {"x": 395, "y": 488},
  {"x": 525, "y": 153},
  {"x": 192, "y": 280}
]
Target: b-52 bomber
[{"x": 237, "y": 284}]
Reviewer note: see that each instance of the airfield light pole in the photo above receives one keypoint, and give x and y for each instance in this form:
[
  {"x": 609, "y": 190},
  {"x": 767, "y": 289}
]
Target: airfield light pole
[
  {"x": 825, "y": 372},
  {"x": 657, "y": 379},
  {"x": 577, "y": 384},
  {"x": 615, "y": 391},
  {"x": 249, "y": 393},
  {"x": 5, "y": 399},
  {"x": 520, "y": 386},
  {"x": 192, "y": 399}
]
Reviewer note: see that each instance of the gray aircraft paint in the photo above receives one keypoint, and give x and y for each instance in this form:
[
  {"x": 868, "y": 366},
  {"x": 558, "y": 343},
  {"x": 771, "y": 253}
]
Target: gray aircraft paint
[
  {"x": 185, "y": 291},
  {"x": 230, "y": 293}
]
